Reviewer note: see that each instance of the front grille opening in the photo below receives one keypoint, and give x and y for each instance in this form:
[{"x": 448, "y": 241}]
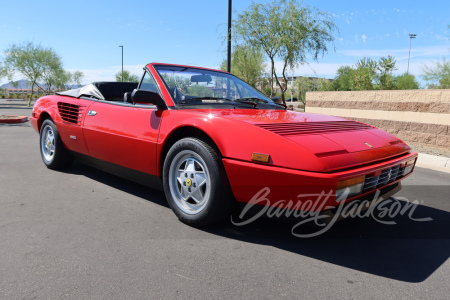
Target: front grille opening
[{"x": 387, "y": 176}]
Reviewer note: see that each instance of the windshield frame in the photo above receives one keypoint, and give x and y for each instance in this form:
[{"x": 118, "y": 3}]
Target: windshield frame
[{"x": 234, "y": 78}]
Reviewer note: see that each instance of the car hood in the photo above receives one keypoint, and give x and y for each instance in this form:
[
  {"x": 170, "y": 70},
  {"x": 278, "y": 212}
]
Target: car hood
[{"x": 336, "y": 142}]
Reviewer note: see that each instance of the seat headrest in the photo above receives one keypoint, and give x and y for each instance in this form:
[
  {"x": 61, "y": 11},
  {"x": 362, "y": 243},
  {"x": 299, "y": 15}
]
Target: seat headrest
[{"x": 127, "y": 97}]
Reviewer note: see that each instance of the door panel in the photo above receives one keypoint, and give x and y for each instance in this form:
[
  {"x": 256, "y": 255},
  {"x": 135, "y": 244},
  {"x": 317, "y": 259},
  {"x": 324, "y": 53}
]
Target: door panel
[{"x": 123, "y": 135}]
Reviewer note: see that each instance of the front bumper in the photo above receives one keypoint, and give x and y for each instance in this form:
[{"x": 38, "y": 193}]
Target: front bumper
[
  {"x": 267, "y": 185},
  {"x": 34, "y": 123}
]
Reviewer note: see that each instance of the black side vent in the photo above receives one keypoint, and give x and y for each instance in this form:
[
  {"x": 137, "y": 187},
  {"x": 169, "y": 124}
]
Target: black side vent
[
  {"x": 313, "y": 127},
  {"x": 70, "y": 113}
]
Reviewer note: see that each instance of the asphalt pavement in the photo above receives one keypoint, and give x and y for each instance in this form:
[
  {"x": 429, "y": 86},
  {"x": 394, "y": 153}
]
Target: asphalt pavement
[{"x": 85, "y": 234}]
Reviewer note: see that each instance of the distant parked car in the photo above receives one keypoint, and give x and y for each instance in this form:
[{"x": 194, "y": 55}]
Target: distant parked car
[{"x": 292, "y": 100}]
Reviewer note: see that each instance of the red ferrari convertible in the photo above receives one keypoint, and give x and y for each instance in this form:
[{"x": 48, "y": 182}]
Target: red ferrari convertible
[{"x": 210, "y": 141}]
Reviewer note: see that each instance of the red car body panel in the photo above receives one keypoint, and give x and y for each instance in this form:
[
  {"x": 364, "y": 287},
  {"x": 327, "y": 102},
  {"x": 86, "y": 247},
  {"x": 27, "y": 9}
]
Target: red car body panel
[
  {"x": 123, "y": 135},
  {"x": 248, "y": 179},
  {"x": 136, "y": 137}
]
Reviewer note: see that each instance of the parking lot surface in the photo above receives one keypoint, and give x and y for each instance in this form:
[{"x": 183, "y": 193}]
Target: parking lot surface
[{"x": 86, "y": 234}]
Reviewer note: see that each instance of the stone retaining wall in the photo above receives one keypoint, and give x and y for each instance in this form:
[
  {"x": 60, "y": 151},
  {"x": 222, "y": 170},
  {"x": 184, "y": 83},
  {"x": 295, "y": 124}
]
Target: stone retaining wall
[{"x": 421, "y": 116}]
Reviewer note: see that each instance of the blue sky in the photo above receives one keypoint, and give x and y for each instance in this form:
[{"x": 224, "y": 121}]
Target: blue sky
[{"x": 87, "y": 33}]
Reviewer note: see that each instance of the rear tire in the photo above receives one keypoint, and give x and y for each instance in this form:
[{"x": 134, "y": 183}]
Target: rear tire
[
  {"x": 195, "y": 183},
  {"x": 54, "y": 154}
]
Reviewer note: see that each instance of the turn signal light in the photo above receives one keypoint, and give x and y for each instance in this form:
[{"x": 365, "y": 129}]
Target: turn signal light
[
  {"x": 354, "y": 186},
  {"x": 261, "y": 157},
  {"x": 349, "y": 182},
  {"x": 409, "y": 165}
]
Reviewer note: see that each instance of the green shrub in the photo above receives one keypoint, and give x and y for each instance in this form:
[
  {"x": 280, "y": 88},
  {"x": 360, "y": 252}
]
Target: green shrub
[
  {"x": 343, "y": 78},
  {"x": 325, "y": 85},
  {"x": 437, "y": 76},
  {"x": 385, "y": 67},
  {"x": 406, "y": 82},
  {"x": 266, "y": 91},
  {"x": 364, "y": 75}
]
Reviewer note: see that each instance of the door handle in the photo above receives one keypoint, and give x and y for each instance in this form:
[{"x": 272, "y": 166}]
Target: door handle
[{"x": 92, "y": 113}]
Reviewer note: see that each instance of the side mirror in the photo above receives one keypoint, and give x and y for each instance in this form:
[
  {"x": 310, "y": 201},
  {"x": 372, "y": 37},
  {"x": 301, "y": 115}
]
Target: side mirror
[{"x": 148, "y": 97}]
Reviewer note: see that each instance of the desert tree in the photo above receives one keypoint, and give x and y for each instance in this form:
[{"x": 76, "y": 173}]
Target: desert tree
[
  {"x": 247, "y": 63},
  {"x": 127, "y": 77},
  {"x": 286, "y": 30},
  {"x": 29, "y": 60},
  {"x": 437, "y": 75}
]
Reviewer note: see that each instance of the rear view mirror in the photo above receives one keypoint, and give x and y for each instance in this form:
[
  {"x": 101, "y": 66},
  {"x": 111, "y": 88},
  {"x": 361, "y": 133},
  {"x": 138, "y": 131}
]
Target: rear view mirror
[
  {"x": 148, "y": 97},
  {"x": 201, "y": 78}
]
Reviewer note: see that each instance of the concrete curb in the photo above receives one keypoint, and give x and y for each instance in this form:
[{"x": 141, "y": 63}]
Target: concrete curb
[
  {"x": 17, "y": 119},
  {"x": 439, "y": 163}
]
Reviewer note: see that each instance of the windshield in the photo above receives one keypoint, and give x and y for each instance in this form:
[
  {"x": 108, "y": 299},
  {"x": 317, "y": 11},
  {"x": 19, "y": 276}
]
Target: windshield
[{"x": 191, "y": 86}]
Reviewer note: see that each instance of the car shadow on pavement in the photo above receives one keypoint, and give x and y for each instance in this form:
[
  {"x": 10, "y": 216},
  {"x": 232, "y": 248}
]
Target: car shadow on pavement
[
  {"x": 130, "y": 187},
  {"x": 408, "y": 250}
]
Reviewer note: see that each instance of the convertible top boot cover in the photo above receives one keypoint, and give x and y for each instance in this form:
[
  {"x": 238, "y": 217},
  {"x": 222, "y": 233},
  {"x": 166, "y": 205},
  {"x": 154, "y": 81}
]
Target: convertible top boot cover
[{"x": 112, "y": 91}]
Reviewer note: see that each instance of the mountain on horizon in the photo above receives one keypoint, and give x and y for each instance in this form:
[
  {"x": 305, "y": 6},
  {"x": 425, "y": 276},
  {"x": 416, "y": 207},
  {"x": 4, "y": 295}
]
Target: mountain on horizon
[{"x": 25, "y": 84}]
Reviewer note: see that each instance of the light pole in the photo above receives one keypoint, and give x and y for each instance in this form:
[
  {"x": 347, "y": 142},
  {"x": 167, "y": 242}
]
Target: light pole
[
  {"x": 411, "y": 36},
  {"x": 229, "y": 37},
  {"x": 292, "y": 87},
  {"x": 122, "y": 61}
]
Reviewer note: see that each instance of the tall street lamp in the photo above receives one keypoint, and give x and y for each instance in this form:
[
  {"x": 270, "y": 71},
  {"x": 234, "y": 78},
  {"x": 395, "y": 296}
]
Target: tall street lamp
[
  {"x": 229, "y": 37},
  {"x": 411, "y": 36},
  {"x": 122, "y": 61}
]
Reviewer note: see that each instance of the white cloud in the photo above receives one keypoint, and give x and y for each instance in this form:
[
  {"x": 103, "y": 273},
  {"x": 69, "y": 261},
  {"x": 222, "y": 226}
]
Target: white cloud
[{"x": 364, "y": 38}]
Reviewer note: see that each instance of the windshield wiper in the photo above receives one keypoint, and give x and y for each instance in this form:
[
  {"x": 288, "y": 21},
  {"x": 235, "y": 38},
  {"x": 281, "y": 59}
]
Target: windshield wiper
[
  {"x": 252, "y": 103},
  {"x": 202, "y": 98},
  {"x": 281, "y": 104},
  {"x": 252, "y": 99},
  {"x": 223, "y": 100},
  {"x": 249, "y": 101}
]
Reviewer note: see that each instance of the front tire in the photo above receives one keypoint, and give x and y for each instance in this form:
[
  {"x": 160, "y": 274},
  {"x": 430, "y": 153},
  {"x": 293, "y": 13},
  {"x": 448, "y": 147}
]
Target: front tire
[
  {"x": 54, "y": 154},
  {"x": 195, "y": 183}
]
